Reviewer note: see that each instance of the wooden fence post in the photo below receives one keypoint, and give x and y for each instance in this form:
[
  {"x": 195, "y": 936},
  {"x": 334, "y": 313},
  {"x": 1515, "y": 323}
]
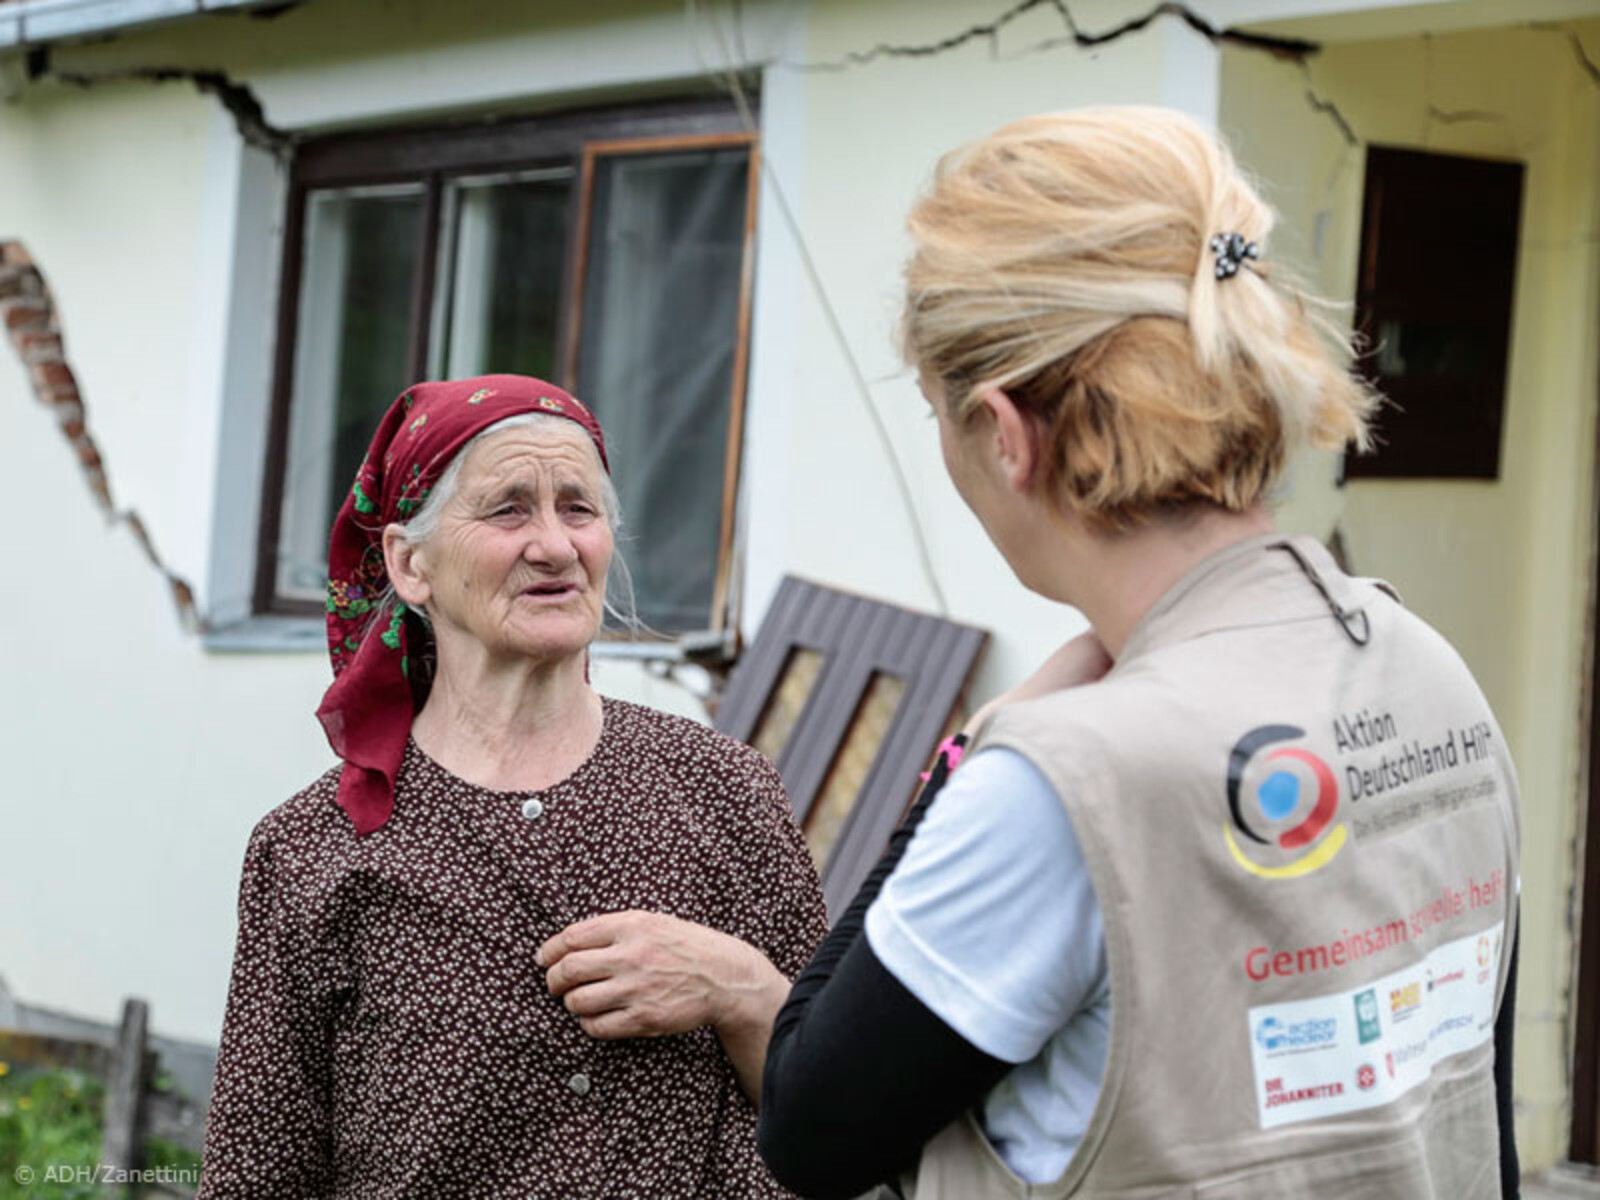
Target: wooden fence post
[{"x": 125, "y": 1088}]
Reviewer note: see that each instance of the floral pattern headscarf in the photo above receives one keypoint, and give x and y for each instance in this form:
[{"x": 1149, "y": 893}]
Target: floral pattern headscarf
[{"x": 368, "y": 709}]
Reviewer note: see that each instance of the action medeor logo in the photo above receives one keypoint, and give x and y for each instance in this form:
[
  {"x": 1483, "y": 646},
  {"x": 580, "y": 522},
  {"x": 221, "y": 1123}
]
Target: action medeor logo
[
  {"x": 1284, "y": 796},
  {"x": 1277, "y": 1036}
]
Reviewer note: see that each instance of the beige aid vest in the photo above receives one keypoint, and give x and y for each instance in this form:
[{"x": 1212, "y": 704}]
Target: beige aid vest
[{"x": 1302, "y": 826}]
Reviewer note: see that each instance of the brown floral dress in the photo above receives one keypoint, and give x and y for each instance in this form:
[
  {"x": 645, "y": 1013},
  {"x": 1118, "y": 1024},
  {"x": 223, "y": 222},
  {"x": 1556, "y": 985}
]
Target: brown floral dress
[{"x": 388, "y": 1033}]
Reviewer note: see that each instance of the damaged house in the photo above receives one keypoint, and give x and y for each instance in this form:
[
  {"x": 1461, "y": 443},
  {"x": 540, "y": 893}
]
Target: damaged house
[{"x": 231, "y": 232}]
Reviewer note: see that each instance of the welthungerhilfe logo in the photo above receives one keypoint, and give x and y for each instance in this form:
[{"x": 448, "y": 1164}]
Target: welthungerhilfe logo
[
  {"x": 1284, "y": 796},
  {"x": 1367, "y": 1022}
]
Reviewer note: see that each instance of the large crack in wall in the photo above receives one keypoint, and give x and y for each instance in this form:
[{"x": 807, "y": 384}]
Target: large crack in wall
[
  {"x": 33, "y": 326},
  {"x": 1296, "y": 50},
  {"x": 1076, "y": 35},
  {"x": 240, "y": 102},
  {"x": 32, "y": 323}
]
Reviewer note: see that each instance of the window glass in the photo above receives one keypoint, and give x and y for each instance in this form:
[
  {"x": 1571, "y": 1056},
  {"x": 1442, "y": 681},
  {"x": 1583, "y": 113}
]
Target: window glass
[
  {"x": 1434, "y": 298},
  {"x": 498, "y": 304},
  {"x": 787, "y": 702},
  {"x": 660, "y": 330},
  {"x": 357, "y": 283},
  {"x": 847, "y": 775}
]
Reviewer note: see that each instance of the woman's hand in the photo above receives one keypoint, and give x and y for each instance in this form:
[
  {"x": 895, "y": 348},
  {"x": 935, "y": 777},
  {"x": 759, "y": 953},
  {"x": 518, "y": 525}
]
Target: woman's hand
[
  {"x": 645, "y": 974},
  {"x": 1082, "y": 660}
]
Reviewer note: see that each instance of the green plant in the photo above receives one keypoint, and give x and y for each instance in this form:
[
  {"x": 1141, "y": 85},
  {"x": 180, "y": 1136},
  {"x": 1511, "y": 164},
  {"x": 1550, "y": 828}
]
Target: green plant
[
  {"x": 50, "y": 1129},
  {"x": 158, "y": 1152}
]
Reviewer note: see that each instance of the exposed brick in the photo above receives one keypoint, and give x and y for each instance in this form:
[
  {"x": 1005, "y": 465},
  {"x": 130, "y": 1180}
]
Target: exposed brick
[
  {"x": 96, "y": 479},
  {"x": 20, "y": 281},
  {"x": 35, "y": 347},
  {"x": 28, "y": 282},
  {"x": 29, "y": 314},
  {"x": 183, "y": 597},
  {"x": 51, "y": 376},
  {"x": 60, "y": 396}
]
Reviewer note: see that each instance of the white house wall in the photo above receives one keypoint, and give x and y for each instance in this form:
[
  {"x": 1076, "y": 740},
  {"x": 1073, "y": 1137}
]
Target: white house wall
[
  {"x": 141, "y": 758},
  {"x": 871, "y": 134},
  {"x": 145, "y": 756},
  {"x": 1502, "y": 567}
]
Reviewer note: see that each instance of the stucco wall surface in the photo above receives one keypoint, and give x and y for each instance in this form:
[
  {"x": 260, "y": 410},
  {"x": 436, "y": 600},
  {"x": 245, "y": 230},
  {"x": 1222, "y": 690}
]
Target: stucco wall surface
[{"x": 1502, "y": 567}]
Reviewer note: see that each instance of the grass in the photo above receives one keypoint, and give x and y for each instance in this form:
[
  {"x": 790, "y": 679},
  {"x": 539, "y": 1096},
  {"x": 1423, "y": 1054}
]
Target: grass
[
  {"x": 51, "y": 1126},
  {"x": 49, "y": 1122}
]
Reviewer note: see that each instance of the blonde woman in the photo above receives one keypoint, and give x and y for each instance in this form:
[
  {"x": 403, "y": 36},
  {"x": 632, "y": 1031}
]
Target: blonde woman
[{"x": 1222, "y": 901}]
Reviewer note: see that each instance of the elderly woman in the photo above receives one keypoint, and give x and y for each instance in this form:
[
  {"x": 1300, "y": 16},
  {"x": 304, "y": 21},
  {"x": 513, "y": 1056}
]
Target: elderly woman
[
  {"x": 525, "y": 940},
  {"x": 1220, "y": 904}
]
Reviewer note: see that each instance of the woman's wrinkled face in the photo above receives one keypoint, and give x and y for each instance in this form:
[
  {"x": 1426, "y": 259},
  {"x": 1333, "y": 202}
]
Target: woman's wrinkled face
[{"x": 518, "y": 563}]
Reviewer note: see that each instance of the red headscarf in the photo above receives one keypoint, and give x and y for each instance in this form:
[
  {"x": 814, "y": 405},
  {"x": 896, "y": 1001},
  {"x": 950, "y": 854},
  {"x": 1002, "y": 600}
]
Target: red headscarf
[{"x": 367, "y": 711}]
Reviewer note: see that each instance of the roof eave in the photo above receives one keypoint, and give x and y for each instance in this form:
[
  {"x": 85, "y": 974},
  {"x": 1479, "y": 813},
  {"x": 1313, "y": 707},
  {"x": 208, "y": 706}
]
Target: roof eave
[{"x": 26, "y": 23}]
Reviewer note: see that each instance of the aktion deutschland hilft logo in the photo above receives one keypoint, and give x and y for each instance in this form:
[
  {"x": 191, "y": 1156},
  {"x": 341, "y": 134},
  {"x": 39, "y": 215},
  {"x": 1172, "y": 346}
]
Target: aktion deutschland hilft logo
[{"x": 1275, "y": 794}]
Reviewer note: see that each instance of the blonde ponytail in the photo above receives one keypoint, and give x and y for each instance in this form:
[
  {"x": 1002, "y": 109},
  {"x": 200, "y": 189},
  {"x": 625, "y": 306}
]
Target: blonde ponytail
[{"x": 1066, "y": 259}]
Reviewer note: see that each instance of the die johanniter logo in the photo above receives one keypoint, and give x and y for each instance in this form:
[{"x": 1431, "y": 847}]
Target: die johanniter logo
[{"x": 1284, "y": 796}]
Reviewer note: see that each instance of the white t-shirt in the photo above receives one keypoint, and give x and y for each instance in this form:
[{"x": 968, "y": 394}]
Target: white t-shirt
[{"x": 990, "y": 920}]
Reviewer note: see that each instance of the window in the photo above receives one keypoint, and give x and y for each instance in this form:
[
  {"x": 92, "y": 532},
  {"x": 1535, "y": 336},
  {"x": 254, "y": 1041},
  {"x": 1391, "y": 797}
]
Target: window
[
  {"x": 609, "y": 252},
  {"x": 1438, "y": 268}
]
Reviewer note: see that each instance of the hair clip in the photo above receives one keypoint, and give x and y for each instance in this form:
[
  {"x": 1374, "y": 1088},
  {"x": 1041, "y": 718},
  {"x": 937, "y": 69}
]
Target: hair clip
[{"x": 1231, "y": 250}]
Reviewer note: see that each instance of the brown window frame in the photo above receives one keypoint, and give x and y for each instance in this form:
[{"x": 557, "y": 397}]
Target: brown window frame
[{"x": 431, "y": 156}]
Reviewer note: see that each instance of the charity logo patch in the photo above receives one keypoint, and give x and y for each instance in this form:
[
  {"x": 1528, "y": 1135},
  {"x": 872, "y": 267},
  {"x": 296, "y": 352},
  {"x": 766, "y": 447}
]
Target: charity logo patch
[
  {"x": 1488, "y": 955},
  {"x": 1281, "y": 796},
  {"x": 1405, "y": 1001},
  {"x": 1367, "y": 1023},
  {"x": 1277, "y": 1036},
  {"x": 1311, "y": 1060}
]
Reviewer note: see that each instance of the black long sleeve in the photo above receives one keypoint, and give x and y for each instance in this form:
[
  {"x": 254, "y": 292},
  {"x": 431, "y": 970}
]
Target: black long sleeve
[{"x": 860, "y": 1074}]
